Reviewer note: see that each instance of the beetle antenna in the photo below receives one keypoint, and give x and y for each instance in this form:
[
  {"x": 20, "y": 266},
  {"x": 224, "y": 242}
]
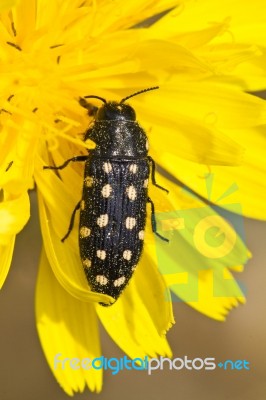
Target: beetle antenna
[
  {"x": 137, "y": 93},
  {"x": 95, "y": 97}
]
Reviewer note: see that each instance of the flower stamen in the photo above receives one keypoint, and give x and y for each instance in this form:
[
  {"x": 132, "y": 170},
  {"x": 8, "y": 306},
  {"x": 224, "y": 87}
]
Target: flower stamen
[
  {"x": 16, "y": 46},
  {"x": 56, "y": 45},
  {"x": 13, "y": 28}
]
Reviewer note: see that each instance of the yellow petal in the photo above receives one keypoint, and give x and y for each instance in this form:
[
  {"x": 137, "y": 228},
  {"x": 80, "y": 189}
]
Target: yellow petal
[
  {"x": 207, "y": 235},
  {"x": 6, "y": 253},
  {"x": 60, "y": 197},
  {"x": 65, "y": 263},
  {"x": 172, "y": 56},
  {"x": 230, "y": 25},
  {"x": 151, "y": 287},
  {"x": 214, "y": 295},
  {"x": 133, "y": 321},
  {"x": 242, "y": 183},
  {"x": 57, "y": 199},
  {"x": 197, "y": 123},
  {"x": 202, "y": 245},
  {"x": 188, "y": 137},
  {"x": 108, "y": 16},
  {"x": 25, "y": 11},
  {"x": 192, "y": 38},
  {"x": 14, "y": 214},
  {"x": 7, "y": 4},
  {"x": 19, "y": 144},
  {"x": 252, "y": 75},
  {"x": 216, "y": 105},
  {"x": 243, "y": 18},
  {"x": 67, "y": 328}
]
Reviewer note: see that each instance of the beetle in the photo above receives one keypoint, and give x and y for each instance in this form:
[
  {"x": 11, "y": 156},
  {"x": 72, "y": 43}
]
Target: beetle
[{"x": 115, "y": 195}]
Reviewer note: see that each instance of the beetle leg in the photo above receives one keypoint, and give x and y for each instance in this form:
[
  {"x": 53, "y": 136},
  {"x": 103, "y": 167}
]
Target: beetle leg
[
  {"x": 151, "y": 160},
  {"x": 153, "y": 221},
  {"x": 74, "y": 159},
  {"x": 71, "y": 221},
  {"x": 92, "y": 110}
]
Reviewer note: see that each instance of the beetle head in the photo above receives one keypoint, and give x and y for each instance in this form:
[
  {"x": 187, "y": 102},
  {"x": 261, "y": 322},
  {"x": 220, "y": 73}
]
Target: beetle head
[
  {"x": 112, "y": 110},
  {"x": 115, "y": 111}
]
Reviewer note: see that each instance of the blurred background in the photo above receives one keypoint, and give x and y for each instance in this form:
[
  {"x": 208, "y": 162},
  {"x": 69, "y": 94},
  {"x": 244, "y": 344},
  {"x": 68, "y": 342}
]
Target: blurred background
[{"x": 24, "y": 373}]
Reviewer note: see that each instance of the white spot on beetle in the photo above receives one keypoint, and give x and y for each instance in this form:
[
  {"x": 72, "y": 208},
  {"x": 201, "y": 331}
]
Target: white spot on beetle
[
  {"x": 106, "y": 190},
  {"x": 101, "y": 279},
  {"x": 133, "y": 168},
  {"x": 86, "y": 263},
  {"x": 131, "y": 192},
  {"x": 107, "y": 167},
  {"x": 141, "y": 235},
  {"x": 102, "y": 220},
  {"x": 130, "y": 222},
  {"x": 145, "y": 183},
  {"x": 120, "y": 281},
  {"x": 88, "y": 181},
  {"x": 101, "y": 254},
  {"x": 127, "y": 254},
  {"x": 84, "y": 231}
]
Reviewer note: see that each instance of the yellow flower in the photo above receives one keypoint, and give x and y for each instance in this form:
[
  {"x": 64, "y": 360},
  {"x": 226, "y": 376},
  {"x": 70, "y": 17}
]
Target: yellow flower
[{"x": 203, "y": 55}]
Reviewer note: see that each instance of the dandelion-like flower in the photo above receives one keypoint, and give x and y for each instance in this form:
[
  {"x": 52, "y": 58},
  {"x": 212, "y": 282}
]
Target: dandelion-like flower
[{"x": 205, "y": 56}]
